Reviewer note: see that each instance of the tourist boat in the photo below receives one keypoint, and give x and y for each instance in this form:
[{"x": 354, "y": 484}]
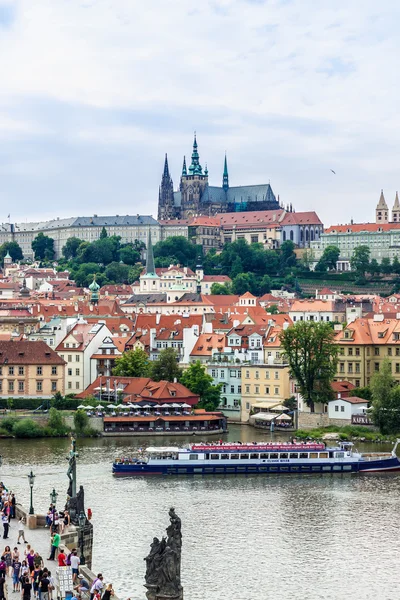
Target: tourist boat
[{"x": 256, "y": 458}]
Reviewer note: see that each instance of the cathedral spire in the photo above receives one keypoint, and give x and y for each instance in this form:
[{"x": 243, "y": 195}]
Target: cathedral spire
[
  {"x": 166, "y": 169},
  {"x": 225, "y": 179},
  {"x": 150, "y": 269},
  {"x": 195, "y": 167},
  {"x": 184, "y": 171}
]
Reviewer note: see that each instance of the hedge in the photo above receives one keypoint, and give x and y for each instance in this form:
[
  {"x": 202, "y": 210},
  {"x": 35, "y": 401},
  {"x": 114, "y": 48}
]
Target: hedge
[{"x": 33, "y": 403}]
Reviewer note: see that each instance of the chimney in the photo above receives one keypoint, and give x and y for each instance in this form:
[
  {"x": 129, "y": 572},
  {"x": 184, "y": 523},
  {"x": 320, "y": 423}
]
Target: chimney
[{"x": 158, "y": 318}]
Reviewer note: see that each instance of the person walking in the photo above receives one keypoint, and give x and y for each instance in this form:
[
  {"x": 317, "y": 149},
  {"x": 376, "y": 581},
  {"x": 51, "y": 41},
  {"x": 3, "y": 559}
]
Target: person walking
[
  {"x": 26, "y": 589},
  {"x": 55, "y": 542},
  {"x": 3, "y": 567},
  {"x": 30, "y": 557},
  {"x": 75, "y": 562},
  {"x": 108, "y": 592},
  {"x": 13, "y": 503},
  {"x": 21, "y": 530},
  {"x": 24, "y": 572},
  {"x": 62, "y": 558},
  {"x": 16, "y": 574},
  {"x": 44, "y": 586},
  {"x": 52, "y": 585},
  {"x": 8, "y": 560},
  {"x": 2, "y": 585},
  {"x": 35, "y": 581},
  {"x": 6, "y": 524}
]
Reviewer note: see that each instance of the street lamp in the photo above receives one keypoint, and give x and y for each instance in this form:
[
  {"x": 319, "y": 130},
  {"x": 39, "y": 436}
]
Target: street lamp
[
  {"x": 53, "y": 500},
  {"x": 31, "y": 478},
  {"x": 82, "y": 522}
]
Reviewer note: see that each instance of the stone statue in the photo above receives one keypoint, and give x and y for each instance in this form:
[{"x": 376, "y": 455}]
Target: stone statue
[
  {"x": 71, "y": 473},
  {"x": 80, "y": 500},
  {"x": 163, "y": 564}
]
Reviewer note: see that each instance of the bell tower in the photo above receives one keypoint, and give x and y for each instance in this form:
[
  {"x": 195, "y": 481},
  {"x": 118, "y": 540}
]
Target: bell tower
[
  {"x": 166, "y": 206},
  {"x": 193, "y": 184},
  {"x": 382, "y": 210}
]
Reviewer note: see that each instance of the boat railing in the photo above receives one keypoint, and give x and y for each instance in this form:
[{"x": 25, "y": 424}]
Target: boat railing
[{"x": 376, "y": 456}]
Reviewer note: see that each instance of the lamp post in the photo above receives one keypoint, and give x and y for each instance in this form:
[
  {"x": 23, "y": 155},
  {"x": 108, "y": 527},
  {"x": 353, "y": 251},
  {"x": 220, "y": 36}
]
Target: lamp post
[
  {"x": 82, "y": 522},
  {"x": 53, "y": 500},
  {"x": 31, "y": 478}
]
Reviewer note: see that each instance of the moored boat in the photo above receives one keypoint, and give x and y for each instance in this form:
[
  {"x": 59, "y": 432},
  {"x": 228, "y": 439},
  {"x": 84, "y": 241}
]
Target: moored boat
[{"x": 256, "y": 458}]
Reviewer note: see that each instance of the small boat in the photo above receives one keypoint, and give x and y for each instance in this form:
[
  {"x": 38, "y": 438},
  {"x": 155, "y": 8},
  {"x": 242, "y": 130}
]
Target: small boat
[{"x": 256, "y": 458}]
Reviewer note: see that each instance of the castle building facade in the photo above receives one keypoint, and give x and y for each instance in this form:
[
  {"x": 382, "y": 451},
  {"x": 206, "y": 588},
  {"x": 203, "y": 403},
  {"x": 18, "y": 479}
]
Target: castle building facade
[{"x": 196, "y": 197}]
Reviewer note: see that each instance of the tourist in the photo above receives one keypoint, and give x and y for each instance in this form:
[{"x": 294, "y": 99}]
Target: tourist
[
  {"x": 8, "y": 560},
  {"x": 35, "y": 580},
  {"x": 21, "y": 530},
  {"x": 13, "y": 502},
  {"x": 44, "y": 586},
  {"x": 37, "y": 560},
  {"x": 15, "y": 554},
  {"x": 6, "y": 524},
  {"x": 62, "y": 558},
  {"x": 108, "y": 592},
  {"x": 24, "y": 572},
  {"x": 16, "y": 571},
  {"x": 3, "y": 567},
  {"x": 30, "y": 557},
  {"x": 52, "y": 585},
  {"x": 83, "y": 585},
  {"x": 26, "y": 589},
  {"x": 2, "y": 584},
  {"x": 97, "y": 585},
  {"x": 75, "y": 562},
  {"x": 55, "y": 542}
]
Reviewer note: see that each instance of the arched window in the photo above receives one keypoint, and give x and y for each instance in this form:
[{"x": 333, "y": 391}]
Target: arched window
[
  {"x": 291, "y": 235},
  {"x": 301, "y": 235},
  {"x": 312, "y": 235},
  {"x": 306, "y": 235},
  {"x": 284, "y": 236}
]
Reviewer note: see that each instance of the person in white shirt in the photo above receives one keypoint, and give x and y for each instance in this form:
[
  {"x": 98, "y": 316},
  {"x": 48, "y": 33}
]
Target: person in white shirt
[
  {"x": 75, "y": 562},
  {"x": 96, "y": 586},
  {"x": 21, "y": 530}
]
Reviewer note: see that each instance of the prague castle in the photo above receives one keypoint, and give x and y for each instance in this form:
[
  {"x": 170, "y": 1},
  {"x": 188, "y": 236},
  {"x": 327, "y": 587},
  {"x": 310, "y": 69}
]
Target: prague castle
[{"x": 196, "y": 197}]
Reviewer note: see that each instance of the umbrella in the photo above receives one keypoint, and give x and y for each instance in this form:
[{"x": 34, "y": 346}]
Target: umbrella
[
  {"x": 89, "y": 407},
  {"x": 184, "y": 405},
  {"x": 99, "y": 406},
  {"x": 81, "y": 406},
  {"x": 164, "y": 406},
  {"x": 121, "y": 406},
  {"x": 283, "y": 418},
  {"x": 147, "y": 406},
  {"x": 135, "y": 406},
  {"x": 111, "y": 406}
]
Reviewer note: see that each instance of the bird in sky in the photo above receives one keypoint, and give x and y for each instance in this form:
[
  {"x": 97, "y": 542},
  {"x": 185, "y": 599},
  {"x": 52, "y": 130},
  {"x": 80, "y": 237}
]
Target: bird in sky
[{"x": 333, "y": 171}]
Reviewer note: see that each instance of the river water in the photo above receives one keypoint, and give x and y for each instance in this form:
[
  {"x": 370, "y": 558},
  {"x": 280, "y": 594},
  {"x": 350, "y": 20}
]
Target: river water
[{"x": 245, "y": 538}]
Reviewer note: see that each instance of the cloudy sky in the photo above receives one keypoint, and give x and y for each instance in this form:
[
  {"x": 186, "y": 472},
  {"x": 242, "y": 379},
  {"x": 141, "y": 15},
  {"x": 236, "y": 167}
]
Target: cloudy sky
[{"x": 94, "y": 92}]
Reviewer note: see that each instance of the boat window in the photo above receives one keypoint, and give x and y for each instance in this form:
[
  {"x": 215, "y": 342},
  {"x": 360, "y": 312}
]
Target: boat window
[
  {"x": 284, "y": 455},
  {"x": 254, "y": 455},
  {"x": 224, "y": 456},
  {"x": 244, "y": 456},
  {"x": 273, "y": 468},
  {"x": 214, "y": 456},
  {"x": 264, "y": 455},
  {"x": 303, "y": 455},
  {"x": 234, "y": 456},
  {"x": 284, "y": 468},
  {"x": 339, "y": 454},
  {"x": 326, "y": 467},
  {"x": 273, "y": 455},
  {"x": 323, "y": 455},
  {"x": 293, "y": 455},
  {"x": 313, "y": 454},
  {"x": 347, "y": 467},
  {"x": 193, "y": 457}
]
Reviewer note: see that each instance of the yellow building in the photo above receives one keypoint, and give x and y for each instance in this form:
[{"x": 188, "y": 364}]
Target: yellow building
[
  {"x": 363, "y": 345},
  {"x": 29, "y": 370},
  {"x": 266, "y": 383}
]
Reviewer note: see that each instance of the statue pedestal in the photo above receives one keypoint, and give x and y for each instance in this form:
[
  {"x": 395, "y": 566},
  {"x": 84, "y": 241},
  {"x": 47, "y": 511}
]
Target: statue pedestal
[{"x": 151, "y": 595}]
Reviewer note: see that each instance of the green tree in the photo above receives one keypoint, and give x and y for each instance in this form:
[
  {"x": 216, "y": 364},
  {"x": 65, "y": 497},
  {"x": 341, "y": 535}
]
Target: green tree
[
  {"x": 13, "y": 249},
  {"x": 56, "y": 422},
  {"x": 329, "y": 258},
  {"x": 166, "y": 366},
  {"x": 244, "y": 282},
  {"x": 272, "y": 309},
  {"x": 395, "y": 266},
  {"x": 237, "y": 267},
  {"x": 129, "y": 255},
  {"x": 287, "y": 256},
  {"x": 362, "y": 392},
  {"x": 117, "y": 272},
  {"x": 83, "y": 276},
  {"x": 43, "y": 247},
  {"x": 199, "y": 382},
  {"x": 134, "y": 363},
  {"x": 70, "y": 250},
  {"x": 265, "y": 285},
  {"x": 307, "y": 259},
  {"x": 81, "y": 421},
  {"x": 219, "y": 289},
  {"x": 386, "y": 267},
  {"x": 103, "y": 233},
  {"x": 177, "y": 249},
  {"x": 385, "y": 404},
  {"x": 312, "y": 356},
  {"x": 360, "y": 260},
  {"x": 374, "y": 267},
  {"x": 134, "y": 272}
]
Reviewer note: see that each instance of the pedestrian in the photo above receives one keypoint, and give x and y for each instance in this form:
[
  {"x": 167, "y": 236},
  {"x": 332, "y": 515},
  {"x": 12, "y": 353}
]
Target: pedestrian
[
  {"x": 21, "y": 530},
  {"x": 3, "y": 567},
  {"x": 108, "y": 592},
  {"x": 55, "y": 542},
  {"x": 8, "y": 559},
  {"x": 38, "y": 560},
  {"x": 30, "y": 557},
  {"x": 35, "y": 580},
  {"x": 75, "y": 562},
  {"x": 15, "y": 554},
  {"x": 26, "y": 589},
  {"x": 44, "y": 586},
  {"x": 6, "y": 524},
  {"x": 24, "y": 572},
  {"x": 52, "y": 585},
  {"x": 2, "y": 584},
  {"x": 13, "y": 503},
  {"x": 97, "y": 585},
  {"x": 62, "y": 558},
  {"x": 16, "y": 571}
]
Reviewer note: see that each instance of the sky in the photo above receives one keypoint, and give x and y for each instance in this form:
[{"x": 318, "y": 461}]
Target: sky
[{"x": 93, "y": 93}]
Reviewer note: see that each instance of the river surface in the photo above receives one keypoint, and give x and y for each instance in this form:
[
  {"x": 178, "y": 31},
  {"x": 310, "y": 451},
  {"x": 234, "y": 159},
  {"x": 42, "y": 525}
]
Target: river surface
[{"x": 245, "y": 538}]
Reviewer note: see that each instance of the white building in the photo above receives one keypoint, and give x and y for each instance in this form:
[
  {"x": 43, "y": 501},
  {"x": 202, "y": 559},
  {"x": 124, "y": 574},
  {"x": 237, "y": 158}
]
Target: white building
[{"x": 346, "y": 408}]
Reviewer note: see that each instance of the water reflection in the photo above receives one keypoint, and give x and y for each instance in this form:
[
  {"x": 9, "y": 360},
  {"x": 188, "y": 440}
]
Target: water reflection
[{"x": 245, "y": 538}]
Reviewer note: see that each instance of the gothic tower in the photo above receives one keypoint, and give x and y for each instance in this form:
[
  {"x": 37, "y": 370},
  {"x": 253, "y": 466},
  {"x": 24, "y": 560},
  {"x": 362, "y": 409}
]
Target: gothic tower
[
  {"x": 382, "y": 211},
  {"x": 193, "y": 184},
  {"x": 166, "y": 208},
  {"x": 396, "y": 210},
  {"x": 225, "y": 178}
]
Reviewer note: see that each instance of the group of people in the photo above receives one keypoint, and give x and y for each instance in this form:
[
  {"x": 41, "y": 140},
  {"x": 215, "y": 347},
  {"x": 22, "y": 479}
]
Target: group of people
[
  {"x": 56, "y": 520},
  {"x": 28, "y": 573},
  {"x": 7, "y": 508}
]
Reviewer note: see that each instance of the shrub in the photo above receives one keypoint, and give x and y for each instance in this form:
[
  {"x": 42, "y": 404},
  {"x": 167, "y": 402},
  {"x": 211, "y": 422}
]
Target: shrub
[
  {"x": 56, "y": 422},
  {"x": 27, "y": 428},
  {"x": 81, "y": 421},
  {"x": 8, "y": 423}
]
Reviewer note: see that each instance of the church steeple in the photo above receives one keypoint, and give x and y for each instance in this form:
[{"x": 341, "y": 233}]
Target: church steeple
[
  {"x": 195, "y": 167},
  {"x": 225, "y": 179},
  {"x": 382, "y": 211},
  {"x": 150, "y": 268},
  {"x": 396, "y": 210},
  {"x": 184, "y": 171},
  {"x": 166, "y": 194}
]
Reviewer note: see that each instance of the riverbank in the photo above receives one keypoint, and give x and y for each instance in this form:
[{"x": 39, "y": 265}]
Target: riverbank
[{"x": 346, "y": 433}]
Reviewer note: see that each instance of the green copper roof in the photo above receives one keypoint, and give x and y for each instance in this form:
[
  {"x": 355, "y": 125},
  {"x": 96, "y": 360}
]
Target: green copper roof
[
  {"x": 195, "y": 167},
  {"x": 94, "y": 286},
  {"x": 150, "y": 268},
  {"x": 225, "y": 178},
  {"x": 184, "y": 171}
]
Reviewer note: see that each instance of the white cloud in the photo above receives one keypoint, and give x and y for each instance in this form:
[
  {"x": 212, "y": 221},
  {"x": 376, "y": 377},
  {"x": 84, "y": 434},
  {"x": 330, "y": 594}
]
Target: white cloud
[{"x": 289, "y": 89}]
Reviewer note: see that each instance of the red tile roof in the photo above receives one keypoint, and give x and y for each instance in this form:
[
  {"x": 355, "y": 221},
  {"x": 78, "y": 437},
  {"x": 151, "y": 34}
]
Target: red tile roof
[
  {"x": 28, "y": 353},
  {"x": 360, "y": 227},
  {"x": 301, "y": 218},
  {"x": 259, "y": 217}
]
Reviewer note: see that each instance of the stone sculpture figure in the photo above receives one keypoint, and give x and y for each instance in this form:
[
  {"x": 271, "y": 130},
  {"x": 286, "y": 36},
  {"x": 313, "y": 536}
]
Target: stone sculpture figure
[{"x": 163, "y": 563}]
